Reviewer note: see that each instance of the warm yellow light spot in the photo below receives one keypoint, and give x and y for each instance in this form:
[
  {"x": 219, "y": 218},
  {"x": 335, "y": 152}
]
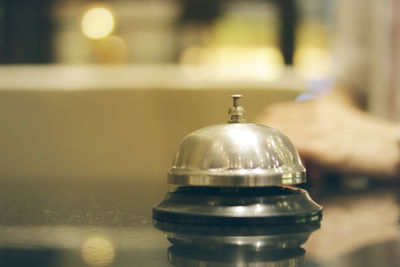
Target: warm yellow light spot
[
  {"x": 98, "y": 22},
  {"x": 264, "y": 63},
  {"x": 254, "y": 63},
  {"x": 98, "y": 251}
]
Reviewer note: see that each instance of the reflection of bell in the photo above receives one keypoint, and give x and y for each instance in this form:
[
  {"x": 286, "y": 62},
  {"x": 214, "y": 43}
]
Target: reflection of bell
[
  {"x": 236, "y": 175},
  {"x": 234, "y": 256}
]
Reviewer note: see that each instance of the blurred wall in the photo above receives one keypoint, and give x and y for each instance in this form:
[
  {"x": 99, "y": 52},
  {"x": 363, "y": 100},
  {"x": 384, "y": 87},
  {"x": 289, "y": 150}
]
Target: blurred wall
[{"x": 111, "y": 132}]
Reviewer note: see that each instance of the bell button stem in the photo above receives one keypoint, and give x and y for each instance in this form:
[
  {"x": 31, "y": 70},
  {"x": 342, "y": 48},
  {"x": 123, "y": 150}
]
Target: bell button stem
[
  {"x": 236, "y": 99},
  {"x": 236, "y": 112}
]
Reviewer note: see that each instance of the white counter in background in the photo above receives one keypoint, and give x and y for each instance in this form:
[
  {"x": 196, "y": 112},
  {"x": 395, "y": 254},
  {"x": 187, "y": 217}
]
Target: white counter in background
[{"x": 114, "y": 122}]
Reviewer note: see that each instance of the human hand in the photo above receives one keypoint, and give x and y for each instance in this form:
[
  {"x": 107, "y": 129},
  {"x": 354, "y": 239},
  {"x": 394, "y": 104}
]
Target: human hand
[{"x": 332, "y": 133}]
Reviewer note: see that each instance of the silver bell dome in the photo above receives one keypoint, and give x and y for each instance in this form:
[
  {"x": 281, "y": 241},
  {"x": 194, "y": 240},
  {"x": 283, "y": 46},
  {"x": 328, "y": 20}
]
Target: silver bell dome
[{"x": 237, "y": 154}]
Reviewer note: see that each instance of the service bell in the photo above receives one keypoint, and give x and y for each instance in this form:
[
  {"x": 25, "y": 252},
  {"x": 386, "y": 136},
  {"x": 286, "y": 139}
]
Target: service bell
[{"x": 237, "y": 177}]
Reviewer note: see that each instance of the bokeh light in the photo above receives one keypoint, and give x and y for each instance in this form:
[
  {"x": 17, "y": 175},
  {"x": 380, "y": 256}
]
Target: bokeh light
[
  {"x": 98, "y": 22},
  {"x": 246, "y": 63},
  {"x": 98, "y": 251}
]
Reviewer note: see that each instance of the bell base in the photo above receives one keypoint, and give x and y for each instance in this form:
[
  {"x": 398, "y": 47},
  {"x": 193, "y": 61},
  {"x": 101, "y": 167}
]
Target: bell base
[
  {"x": 276, "y": 205},
  {"x": 269, "y": 216}
]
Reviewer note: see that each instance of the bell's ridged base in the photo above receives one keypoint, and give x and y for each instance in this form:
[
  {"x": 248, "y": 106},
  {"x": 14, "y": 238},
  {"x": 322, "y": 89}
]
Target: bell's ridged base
[{"x": 266, "y": 216}]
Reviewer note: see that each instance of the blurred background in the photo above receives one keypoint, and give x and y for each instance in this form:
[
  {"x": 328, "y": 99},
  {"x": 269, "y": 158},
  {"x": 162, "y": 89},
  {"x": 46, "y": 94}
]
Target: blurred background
[
  {"x": 266, "y": 33},
  {"x": 95, "y": 97},
  {"x": 107, "y": 89}
]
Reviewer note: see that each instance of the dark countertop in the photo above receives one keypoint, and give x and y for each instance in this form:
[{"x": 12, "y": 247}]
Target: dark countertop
[{"x": 95, "y": 223}]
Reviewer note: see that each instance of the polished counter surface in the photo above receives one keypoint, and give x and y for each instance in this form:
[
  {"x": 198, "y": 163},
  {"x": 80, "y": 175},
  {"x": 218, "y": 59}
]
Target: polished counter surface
[{"x": 108, "y": 223}]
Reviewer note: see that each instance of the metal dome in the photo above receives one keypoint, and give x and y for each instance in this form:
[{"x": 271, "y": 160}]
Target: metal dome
[{"x": 236, "y": 154}]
